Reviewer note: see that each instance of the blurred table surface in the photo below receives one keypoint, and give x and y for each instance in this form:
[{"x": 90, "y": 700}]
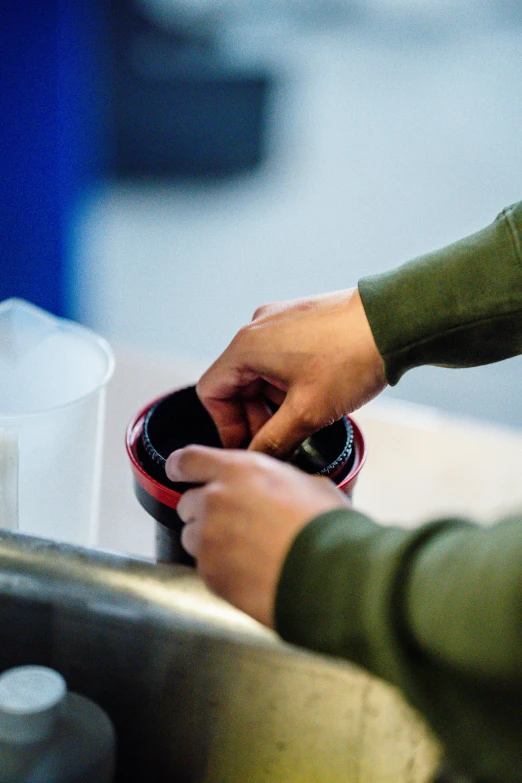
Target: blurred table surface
[{"x": 421, "y": 464}]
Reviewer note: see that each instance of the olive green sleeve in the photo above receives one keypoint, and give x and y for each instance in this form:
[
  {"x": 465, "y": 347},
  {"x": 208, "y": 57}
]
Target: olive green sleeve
[
  {"x": 456, "y": 307},
  {"x": 436, "y": 611}
]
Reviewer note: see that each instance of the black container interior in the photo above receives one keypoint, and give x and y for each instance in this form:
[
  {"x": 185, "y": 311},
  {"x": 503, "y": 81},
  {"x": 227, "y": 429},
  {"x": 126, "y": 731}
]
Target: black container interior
[
  {"x": 180, "y": 419},
  {"x": 176, "y": 421}
]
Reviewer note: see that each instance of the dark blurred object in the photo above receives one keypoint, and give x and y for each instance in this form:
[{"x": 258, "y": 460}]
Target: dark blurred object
[{"x": 178, "y": 109}]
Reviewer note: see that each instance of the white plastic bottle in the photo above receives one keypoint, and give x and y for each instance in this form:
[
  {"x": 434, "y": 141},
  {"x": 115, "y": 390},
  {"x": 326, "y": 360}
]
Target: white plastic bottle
[{"x": 50, "y": 735}]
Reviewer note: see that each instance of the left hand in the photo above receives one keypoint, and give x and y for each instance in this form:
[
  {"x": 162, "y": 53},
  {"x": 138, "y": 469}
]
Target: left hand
[{"x": 241, "y": 523}]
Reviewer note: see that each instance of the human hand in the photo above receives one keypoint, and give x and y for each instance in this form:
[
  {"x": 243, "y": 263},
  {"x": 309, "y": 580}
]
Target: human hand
[
  {"x": 241, "y": 523},
  {"x": 315, "y": 357}
]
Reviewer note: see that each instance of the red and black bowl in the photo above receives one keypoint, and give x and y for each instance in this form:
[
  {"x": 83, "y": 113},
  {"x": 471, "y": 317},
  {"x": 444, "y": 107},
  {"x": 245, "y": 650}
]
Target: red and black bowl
[{"x": 178, "y": 419}]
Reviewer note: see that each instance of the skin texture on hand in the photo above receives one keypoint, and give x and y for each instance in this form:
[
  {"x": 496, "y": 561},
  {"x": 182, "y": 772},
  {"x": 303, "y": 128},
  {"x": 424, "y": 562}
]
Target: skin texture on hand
[
  {"x": 314, "y": 357},
  {"x": 241, "y": 522}
]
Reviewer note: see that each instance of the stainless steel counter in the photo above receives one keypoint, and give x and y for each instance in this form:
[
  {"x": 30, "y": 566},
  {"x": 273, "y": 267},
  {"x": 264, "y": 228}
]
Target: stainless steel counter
[{"x": 198, "y": 691}]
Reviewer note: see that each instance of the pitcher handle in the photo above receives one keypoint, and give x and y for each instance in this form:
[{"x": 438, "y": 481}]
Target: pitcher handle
[{"x": 9, "y": 478}]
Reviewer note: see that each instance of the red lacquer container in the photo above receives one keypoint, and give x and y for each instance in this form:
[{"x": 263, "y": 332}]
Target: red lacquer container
[{"x": 178, "y": 419}]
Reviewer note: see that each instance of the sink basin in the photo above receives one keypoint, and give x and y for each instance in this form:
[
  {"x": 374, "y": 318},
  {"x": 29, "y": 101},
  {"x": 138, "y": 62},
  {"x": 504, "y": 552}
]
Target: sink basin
[{"x": 198, "y": 691}]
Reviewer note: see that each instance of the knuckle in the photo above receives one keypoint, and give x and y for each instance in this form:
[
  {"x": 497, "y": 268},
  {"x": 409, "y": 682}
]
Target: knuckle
[
  {"x": 206, "y": 540},
  {"x": 241, "y": 336},
  {"x": 235, "y": 464},
  {"x": 204, "y": 567},
  {"x": 191, "y": 450},
  {"x": 255, "y": 460},
  {"x": 262, "y": 310},
  {"x": 212, "y": 499},
  {"x": 184, "y": 506},
  {"x": 306, "y": 414},
  {"x": 200, "y": 387},
  {"x": 271, "y": 446},
  {"x": 210, "y": 575}
]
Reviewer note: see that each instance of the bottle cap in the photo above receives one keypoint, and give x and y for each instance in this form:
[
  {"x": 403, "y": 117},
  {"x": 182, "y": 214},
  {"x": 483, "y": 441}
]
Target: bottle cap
[{"x": 31, "y": 698}]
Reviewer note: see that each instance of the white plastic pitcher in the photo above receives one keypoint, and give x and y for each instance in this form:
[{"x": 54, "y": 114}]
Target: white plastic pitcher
[{"x": 53, "y": 375}]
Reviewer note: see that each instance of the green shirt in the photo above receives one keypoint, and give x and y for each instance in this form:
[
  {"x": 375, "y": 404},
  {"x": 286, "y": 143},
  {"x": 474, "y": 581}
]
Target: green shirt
[{"x": 437, "y": 611}]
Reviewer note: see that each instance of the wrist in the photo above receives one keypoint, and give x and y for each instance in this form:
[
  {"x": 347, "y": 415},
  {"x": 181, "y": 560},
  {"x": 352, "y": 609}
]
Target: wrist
[{"x": 374, "y": 366}]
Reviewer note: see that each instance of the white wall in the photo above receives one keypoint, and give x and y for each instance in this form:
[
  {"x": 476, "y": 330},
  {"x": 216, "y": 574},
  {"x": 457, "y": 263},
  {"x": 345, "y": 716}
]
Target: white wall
[{"x": 389, "y": 137}]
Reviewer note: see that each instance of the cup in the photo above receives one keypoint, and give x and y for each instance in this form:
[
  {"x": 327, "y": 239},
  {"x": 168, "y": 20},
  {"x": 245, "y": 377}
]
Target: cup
[
  {"x": 52, "y": 394},
  {"x": 178, "y": 419}
]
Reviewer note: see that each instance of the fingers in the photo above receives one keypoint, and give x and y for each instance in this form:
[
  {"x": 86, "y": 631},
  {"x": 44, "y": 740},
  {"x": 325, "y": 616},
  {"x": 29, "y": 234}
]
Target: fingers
[
  {"x": 274, "y": 394},
  {"x": 200, "y": 465},
  {"x": 225, "y": 403},
  {"x": 283, "y": 432},
  {"x": 231, "y": 420},
  {"x": 191, "y": 539},
  {"x": 257, "y": 413},
  {"x": 239, "y": 411},
  {"x": 197, "y": 464},
  {"x": 190, "y": 509}
]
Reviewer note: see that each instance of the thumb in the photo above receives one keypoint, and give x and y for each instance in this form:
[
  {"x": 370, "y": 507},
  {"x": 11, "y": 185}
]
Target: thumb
[
  {"x": 282, "y": 433},
  {"x": 197, "y": 464}
]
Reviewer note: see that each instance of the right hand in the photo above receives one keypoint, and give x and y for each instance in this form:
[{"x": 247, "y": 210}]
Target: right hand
[
  {"x": 314, "y": 357},
  {"x": 242, "y": 518}
]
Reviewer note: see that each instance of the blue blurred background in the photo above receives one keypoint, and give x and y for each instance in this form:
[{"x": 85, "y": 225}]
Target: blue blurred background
[{"x": 169, "y": 165}]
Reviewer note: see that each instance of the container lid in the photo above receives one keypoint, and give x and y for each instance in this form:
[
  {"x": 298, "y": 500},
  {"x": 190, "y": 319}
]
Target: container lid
[{"x": 31, "y": 699}]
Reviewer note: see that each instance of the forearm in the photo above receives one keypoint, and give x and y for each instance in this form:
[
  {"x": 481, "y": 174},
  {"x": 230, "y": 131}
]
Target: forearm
[
  {"x": 435, "y": 611},
  {"x": 456, "y": 307}
]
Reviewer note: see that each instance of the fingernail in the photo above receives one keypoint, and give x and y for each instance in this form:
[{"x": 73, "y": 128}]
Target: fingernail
[{"x": 171, "y": 466}]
